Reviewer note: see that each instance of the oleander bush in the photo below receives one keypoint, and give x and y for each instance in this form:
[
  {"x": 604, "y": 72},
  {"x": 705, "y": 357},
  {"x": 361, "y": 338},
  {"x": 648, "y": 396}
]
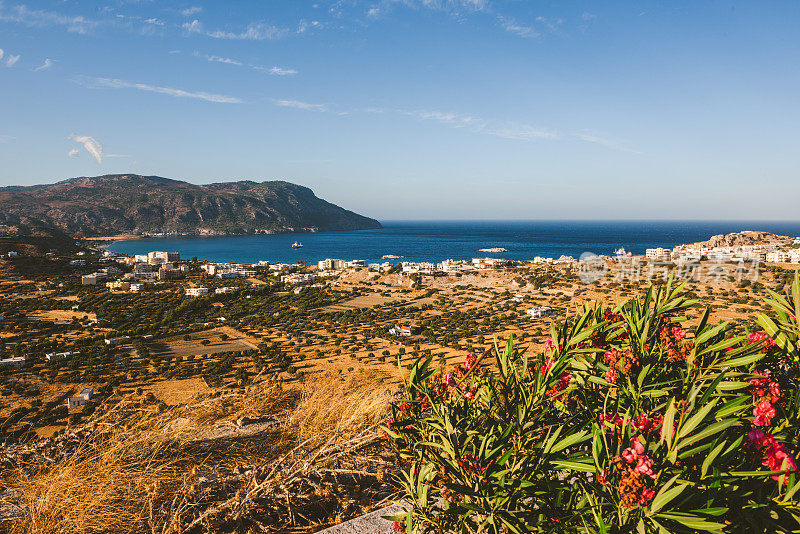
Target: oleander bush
[{"x": 641, "y": 418}]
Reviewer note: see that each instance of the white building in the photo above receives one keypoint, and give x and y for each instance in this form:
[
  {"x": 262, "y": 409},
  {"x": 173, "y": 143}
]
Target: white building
[
  {"x": 658, "y": 254},
  {"x": 114, "y": 341},
  {"x": 156, "y": 257},
  {"x": 539, "y": 311},
  {"x": 81, "y": 398},
  {"x": 13, "y": 361},
  {"x": 58, "y": 356},
  {"x": 196, "y": 291},
  {"x": 401, "y": 331},
  {"x": 92, "y": 279},
  {"x": 135, "y": 288},
  {"x": 330, "y": 263},
  {"x": 221, "y": 290},
  {"x": 777, "y": 256}
]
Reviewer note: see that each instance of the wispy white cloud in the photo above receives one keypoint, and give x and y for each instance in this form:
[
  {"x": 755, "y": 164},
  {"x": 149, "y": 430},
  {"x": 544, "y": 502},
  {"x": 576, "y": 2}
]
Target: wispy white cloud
[
  {"x": 6, "y": 138},
  {"x": 512, "y": 26},
  {"x": 94, "y": 148},
  {"x": 46, "y": 65},
  {"x": 504, "y": 129},
  {"x": 599, "y": 138},
  {"x": 189, "y": 11},
  {"x": 227, "y": 60},
  {"x": 114, "y": 83},
  {"x": 2, "y": 53},
  {"x": 194, "y": 26},
  {"x": 278, "y": 71},
  {"x": 452, "y": 7},
  {"x": 297, "y": 104},
  {"x": 275, "y": 71},
  {"x": 12, "y": 59},
  {"x": 40, "y": 18},
  {"x": 255, "y": 31},
  {"x": 73, "y": 153},
  {"x": 154, "y": 21},
  {"x": 451, "y": 119}
]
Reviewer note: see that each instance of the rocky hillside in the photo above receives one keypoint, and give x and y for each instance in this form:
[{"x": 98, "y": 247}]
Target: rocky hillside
[
  {"x": 747, "y": 237},
  {"x": 129, "y": 203}
]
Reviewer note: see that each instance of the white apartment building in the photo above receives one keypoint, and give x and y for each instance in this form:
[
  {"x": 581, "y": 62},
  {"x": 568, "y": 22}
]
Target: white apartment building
[
  {"x": 331, "y": 264},
  {"x": 221, "y": 290},
  {"x": 196, "y": 291},
  {"x": 658, "y": 254}
]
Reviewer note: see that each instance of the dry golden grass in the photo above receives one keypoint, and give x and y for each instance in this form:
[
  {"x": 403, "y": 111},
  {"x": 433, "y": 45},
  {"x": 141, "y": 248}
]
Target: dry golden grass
[
  {"x": 143, "y": 454},
  {"x": 329, "y": 404},
  {"x": 104, "y": 485}
]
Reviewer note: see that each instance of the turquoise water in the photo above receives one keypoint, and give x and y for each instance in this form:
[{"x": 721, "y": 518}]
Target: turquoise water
[{"x": 438, "y": 240}]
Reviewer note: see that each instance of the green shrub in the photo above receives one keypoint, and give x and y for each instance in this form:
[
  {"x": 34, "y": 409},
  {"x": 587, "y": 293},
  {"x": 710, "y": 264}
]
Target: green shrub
[{"x": 626, "y": 422}]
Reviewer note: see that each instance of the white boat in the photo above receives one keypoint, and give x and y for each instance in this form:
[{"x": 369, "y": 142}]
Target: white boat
[{"x": 297, "y": 245}]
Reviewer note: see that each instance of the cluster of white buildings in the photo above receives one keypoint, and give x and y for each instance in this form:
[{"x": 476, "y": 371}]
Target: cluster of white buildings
[
  {"x": 539, "y": 311},
  {"x": 157, "y": 257},
  {"x": 228, "y": 270},
  {"x": 297, "y": 278},
  {"x": 770, "y": 253},
  {"x": 332, "y": 264},
  {"x": 539, "y": 260}
]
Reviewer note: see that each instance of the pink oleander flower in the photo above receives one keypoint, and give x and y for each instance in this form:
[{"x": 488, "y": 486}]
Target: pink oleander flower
[
  {"x": 677, "y": 332},
  {"x": 469, "y": 361},
  {"x": 450, "y": 380},
  {"x": 764, "y": 413},
  {"x": 549, "y": 344},
  {"x": 757, "y": 337},
  {"x": 632, "y": 453},
  {"x": 546, "y": 366},
  {"x": 645, "y": 466},
  {"x": 642, "y": 422},
  {"x": 646, "y": 496},
  {"x": 776, "y": 457},
  {"x": 469, "y": 393}
]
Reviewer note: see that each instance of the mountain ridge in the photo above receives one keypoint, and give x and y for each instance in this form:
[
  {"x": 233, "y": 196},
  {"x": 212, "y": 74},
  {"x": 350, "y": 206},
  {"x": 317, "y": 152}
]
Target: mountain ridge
[{"x": 91, "y": 206}]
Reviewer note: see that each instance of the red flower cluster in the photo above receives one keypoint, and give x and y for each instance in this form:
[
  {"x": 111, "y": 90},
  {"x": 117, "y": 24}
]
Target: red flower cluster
[
  {"x": 765, "y": 389},
  {"x": 445, "y": 384},
  {"x": 561, "y": 385},
  {"x": 399, "y": 526},
  {"x": 615, "y": 420},
  {"x": 670, "y": 338},
  {"x": 758, "y": 337},
  {"x": 776, "y": 456},
  {"x": 619, "y": 361},
  {"x": 612, "y": 317},
  {"x": 471, "y": 464},
  {"x": 764, "y": 413},
  {"x": 633, "y": 467}
]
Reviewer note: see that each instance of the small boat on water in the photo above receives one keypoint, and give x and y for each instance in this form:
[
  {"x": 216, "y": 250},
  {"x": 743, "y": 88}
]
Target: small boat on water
[{"x": 297, "y": 245}]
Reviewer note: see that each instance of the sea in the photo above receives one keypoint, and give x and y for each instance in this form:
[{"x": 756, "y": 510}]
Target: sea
[{"x": 435, "y": 241}]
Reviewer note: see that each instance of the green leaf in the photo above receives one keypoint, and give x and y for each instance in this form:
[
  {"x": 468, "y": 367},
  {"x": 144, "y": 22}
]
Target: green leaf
[
  {"x": 710, "y": 458},
  {"x": 665, "y": 495},
  {"x": 696, "y": 419}
]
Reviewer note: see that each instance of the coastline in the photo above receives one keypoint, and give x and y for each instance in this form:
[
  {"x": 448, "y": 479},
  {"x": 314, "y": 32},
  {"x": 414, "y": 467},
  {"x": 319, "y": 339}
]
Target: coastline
[{"x": 416, "y": 241}]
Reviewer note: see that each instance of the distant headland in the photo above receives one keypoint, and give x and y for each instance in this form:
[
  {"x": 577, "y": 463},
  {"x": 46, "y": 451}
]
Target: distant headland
[{"x": 153, "y": 206}]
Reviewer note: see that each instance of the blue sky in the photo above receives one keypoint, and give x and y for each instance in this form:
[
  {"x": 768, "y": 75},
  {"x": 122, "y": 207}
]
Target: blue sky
[{"x": 404, "y": 109}]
